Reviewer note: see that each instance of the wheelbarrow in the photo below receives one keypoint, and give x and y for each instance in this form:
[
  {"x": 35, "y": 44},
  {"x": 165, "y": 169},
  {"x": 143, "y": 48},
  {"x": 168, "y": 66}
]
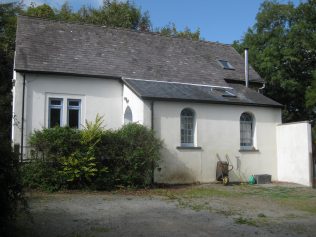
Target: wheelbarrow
[{"x": 222, "y": 171}]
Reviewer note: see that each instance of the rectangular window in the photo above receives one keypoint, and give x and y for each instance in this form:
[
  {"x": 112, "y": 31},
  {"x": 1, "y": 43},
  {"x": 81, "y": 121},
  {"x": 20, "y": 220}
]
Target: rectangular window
[
  {"x": 187, "y": 133},
  {"x": 73, "y": 109},
  {"x": 55, "y": 112}
]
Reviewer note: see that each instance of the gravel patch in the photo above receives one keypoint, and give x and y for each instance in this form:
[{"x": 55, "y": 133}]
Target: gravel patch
[{"x": 107, "y": 214}]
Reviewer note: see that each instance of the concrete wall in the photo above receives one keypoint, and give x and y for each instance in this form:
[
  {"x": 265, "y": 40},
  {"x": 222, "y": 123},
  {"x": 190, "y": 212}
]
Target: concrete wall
[
  {"x": 98, "y": 96},
  {"x": 218, "y": 135},
  {"x": 294, "y": 147}
]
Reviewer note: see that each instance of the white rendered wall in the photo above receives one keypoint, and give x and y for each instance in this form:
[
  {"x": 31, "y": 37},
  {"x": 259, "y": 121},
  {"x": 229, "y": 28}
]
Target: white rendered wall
[
  {"x": 295, "y": 153},
  {"x": 98, "y": 96},
  {"x": 218, "y": 135},
  {"x": 135, "y": 103}
]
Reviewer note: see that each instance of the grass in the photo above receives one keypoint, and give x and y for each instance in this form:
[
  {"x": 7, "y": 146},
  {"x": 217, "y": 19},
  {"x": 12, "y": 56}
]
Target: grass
[
  {"x": 99, "y": 229},
  {"x": 246, "y": 221},
  {"x": 303, "y": 199},
  {"x": 298, "y": 198}
]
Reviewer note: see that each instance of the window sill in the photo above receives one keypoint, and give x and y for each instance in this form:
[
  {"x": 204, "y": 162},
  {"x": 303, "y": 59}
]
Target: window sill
[
  {"x": 248, "y": 150},
  {"x": 189, "y": 148}
]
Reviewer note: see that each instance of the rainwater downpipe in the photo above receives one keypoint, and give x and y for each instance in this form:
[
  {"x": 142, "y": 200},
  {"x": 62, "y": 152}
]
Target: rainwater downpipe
[
  {"x": 152, "y": 128},
  {"x": 246, "y": 68},
  {"x": 22, "y": 118}
]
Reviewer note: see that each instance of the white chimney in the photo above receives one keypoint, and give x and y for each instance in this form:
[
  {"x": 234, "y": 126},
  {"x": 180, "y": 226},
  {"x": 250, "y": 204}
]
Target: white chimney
[{"x": 246, "y": 67}]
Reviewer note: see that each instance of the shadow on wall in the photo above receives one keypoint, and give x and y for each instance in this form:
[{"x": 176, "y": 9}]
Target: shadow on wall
[{"x": 172, "y": 170}]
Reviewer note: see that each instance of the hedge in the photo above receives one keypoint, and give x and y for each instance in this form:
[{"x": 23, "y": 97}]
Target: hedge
[{"x": 95, "y": 158}]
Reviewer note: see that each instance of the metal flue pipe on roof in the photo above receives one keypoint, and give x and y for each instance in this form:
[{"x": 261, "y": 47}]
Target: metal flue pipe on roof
[{"x": 246, "y": 68}]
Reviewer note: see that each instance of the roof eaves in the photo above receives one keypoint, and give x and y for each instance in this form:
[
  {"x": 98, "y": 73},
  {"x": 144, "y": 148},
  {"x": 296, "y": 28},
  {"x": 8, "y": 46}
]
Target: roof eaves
[
  {"x": 211, "y": 102},
  {"x": 68, "y": 74},
  {"x": 132, "y": 88}
]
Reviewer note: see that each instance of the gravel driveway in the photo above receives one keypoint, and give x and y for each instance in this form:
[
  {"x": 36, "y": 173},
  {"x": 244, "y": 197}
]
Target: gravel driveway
[{"x": 205, "y": 210}]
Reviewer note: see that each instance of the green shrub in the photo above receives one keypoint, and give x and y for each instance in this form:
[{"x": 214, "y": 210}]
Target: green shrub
[
  {"x": 92, "y": 157},
  {"x": 43, "y": 175},
  {"x": 53, "y": 143},
  {"x": 130, "y": 153},
  {"x": 80, "y": 169}
]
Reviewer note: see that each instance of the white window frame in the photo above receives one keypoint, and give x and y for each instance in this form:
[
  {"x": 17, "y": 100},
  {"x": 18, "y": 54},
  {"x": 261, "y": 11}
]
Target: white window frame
[
  {"x": 74, "y": 107},
  {"x": 65, "y": 98},
  {"x": 244, "y": 125},
  {"x": 185, "y": 141},
  {"x": 60, "y": 107}
]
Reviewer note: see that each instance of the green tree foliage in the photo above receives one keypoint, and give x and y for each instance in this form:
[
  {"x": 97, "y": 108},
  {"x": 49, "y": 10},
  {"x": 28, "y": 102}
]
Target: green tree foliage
[
  {"x": 311, "y": 94},
  {"x": 283, "y": 50},
  {"x": 10, "y": 185},
  {"x": 44, "y": 11},
  {"x": 8, "y": 14},
  {"x": 112, "y": 13},
  {"x": 171, "y": 30}
]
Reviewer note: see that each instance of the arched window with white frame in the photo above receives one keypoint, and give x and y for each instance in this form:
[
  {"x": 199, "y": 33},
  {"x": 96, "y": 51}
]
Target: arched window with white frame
[
  {"x": 187, "y": 127},
  {"x": 246, "y": 131}
]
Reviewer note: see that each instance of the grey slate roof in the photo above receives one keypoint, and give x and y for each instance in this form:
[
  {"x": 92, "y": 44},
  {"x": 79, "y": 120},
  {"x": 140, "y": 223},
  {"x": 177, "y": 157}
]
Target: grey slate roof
[
  {"x": 154, "y": 90},
  {"x": 59, "y": 47}
]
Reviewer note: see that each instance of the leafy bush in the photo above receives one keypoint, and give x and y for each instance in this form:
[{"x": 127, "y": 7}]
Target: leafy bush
[
  {"x": 43, "y": 175},
  {"x": 140, "y": 154},
  {"x": 92, "y": 157},
  {"x": 130, "y": 153},
  {"x": 53, "y": 143}
]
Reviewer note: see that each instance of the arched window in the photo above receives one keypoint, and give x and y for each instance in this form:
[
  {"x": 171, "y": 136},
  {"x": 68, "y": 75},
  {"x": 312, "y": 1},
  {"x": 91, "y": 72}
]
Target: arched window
[
  {"x": 128, "y": 115},
  {"x": 246, "y": 131},
  {"x": 187, "y": 127}
]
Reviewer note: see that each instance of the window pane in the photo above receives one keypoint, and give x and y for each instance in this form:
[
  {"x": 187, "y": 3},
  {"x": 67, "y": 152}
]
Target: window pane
[
  {"x": 73, "y": 118},
  {"x": 187, "y": 127},
  {"x": 246, "y": 130},
  {"x": 73, "y": 103},
  {"x": 55, "y": 101},
  {"x": 55, "y": 117}
]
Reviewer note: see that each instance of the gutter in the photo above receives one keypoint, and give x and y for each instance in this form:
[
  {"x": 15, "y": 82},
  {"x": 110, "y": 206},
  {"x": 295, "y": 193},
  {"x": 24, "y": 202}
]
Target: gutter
[
  {"x": 22, "y": 118},
  {"x": 212, "y": 102}
]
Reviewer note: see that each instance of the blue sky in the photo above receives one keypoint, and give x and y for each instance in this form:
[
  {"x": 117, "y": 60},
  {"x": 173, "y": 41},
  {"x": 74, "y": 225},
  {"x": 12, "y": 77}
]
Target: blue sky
[{"x": 218, "y": 20}]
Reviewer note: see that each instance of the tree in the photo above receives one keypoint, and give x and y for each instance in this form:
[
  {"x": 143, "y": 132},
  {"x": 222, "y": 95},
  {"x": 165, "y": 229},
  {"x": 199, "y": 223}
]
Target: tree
[
  {"x": 10, "y": 185},
  {"x": 112, "y": 13},
  {"x": 65, "y": 12},
  {"x": 282, "y": 47},
  {"x": 44, "y": 11},
  {"x": 310, "y": 95},
  {"x": 171, "y": 30}
]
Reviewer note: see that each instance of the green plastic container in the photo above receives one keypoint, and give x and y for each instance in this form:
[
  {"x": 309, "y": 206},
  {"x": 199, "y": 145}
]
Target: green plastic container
[{"x": 252, "y": 180}]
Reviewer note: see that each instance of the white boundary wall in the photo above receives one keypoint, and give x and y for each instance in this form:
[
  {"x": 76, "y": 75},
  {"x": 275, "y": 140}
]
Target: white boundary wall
[{"x": 294, "y": 151}]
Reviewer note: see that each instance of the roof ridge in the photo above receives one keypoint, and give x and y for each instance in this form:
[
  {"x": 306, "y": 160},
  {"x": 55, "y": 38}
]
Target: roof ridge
[{"x": 124, "y": 29}]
